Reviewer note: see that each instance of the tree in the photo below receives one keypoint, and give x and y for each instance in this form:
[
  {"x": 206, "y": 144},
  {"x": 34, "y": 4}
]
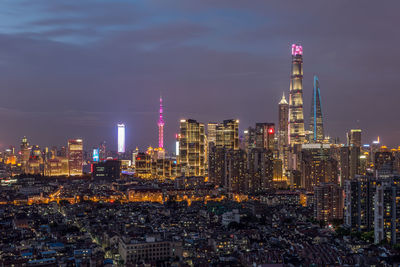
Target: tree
[{"x": 368, "y": 236}]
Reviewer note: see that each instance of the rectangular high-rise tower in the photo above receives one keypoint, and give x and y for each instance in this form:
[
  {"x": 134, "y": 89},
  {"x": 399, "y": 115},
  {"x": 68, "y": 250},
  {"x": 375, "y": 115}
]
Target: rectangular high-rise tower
[
  {"x": 192, "y": 151},
  {"x": 75, "y": 156},
  {"x": 283, "y": 137},
  {"x": 296, "y": 115},
  {"x": 121, "y": 138}
]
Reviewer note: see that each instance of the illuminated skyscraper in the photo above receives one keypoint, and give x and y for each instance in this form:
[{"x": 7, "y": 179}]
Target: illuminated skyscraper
[
  {"x": 212, "y": 132},
  {"x": 121, "y": 138},
  {"x": 227, "y": 134},
  {"x": 225, "y": 161},
  {"x": 316, "y": 122},
  {"x": 296, "y": 115},
  {"x": 75, "y": 156},
  {"x": 192, "y": 153},
  {"x": 283, "y": 138},
  {"x": 25, "y": 153},
  {"x": 161, "y": 127}
]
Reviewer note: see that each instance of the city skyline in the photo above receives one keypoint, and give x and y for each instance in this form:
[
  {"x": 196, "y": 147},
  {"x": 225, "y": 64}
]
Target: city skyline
[
  {"x": 248, "y": 78},
  {"x": 199, "y": 133}
]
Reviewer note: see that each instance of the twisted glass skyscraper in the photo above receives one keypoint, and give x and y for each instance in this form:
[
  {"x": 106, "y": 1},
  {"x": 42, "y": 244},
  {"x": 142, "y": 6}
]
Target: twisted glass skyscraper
[
  {"x": 296, "y": 115},
  {"x": 316, "y": 122}
]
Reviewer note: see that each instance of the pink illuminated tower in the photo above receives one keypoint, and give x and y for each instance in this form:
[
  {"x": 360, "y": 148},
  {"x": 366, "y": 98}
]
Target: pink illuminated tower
[{"x": 161, "y": 127}]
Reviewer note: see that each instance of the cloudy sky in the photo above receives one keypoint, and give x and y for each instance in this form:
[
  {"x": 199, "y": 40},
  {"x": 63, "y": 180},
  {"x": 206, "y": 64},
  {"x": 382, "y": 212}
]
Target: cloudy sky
[{"x": 72, "y": 68}]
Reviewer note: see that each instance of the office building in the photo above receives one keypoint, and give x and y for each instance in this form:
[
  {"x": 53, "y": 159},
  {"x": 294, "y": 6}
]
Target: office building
[
  {"x": 192, "y": 150},
  {"x": 121, "y": 138},
  {"x": 354, "y": 144},
  {"x": 265, "y": 136},
  {"x": 316, "y": 122},
  {"x": 249, "y": 139},
  {"x": 56, "y": 167},
  {"x": 354, "y": 138},
  {"x": 25, "y": 153},
  {"x": 212, "y": 133},
  {"x": 296, "y": 114},
  {"x": 143, "y": 165},
  {"x": 283, "y": 137},
  {"x": 75, "y": 156},
  {"x": 227, "y": 134}
]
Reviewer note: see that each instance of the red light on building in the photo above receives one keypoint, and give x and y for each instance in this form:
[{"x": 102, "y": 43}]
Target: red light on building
[{"x": 271, "y": 130}]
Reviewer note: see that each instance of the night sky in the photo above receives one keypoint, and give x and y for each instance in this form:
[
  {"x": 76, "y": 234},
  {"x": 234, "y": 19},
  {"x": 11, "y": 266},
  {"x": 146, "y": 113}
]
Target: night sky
[{"x": 76, "y": 68}]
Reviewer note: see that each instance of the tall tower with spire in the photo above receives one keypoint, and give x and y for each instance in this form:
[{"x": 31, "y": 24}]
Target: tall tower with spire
[
  {"x": 296, "y": 114},
  {"x": 283, "y": 137},
  {"x": 161, "y": 126},
  {"x": 316, "y": 122}
]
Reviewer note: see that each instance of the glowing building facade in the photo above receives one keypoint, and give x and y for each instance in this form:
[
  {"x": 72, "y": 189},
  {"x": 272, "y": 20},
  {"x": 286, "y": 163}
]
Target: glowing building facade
[
  {"x": 121, "y": 138},
  {"x": 296, "y": 115},
  {"x": 283, "y": 137},
  {"x": 75, "y": 156},
  {"x": 212, "y": 132},
  {"x": 192, "y": 148},
  {"x": 316, "y": 122},
  {"x": 161, "y": 127},
  {"x": 227, "y": 135},
  {"x": 96, "y": 157}
]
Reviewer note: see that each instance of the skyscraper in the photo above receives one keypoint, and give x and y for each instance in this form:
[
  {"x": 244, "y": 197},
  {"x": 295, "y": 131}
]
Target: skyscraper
[
  {"x": 227, "y": 134},
  {"x": 317, "y": 166},
  {"x": 192, "y": 151},
  {"x": 283, "y": 137},
  {"x": 354, "y": 143},
  {"x": 75, "y": 156},
  {"x": 354, "y": 138},
  {"x": 161, "y": 127},
  {"x": 25, "y": 152},
  {"x": 249, "y": 139},
  {"x": 316, "y": 122},
  {"x": 121, "y": 138},
  {"x": 212, "y": 132},
  {"x": 296, "y": 115},
  {"x": 265, "y": 135},
  {"x": 224, "y": 147}
]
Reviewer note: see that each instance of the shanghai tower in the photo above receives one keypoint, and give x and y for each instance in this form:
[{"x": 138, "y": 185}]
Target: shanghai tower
[
  {"x": 316, "y": 123},
  {"x": 296, "y": 115}
]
